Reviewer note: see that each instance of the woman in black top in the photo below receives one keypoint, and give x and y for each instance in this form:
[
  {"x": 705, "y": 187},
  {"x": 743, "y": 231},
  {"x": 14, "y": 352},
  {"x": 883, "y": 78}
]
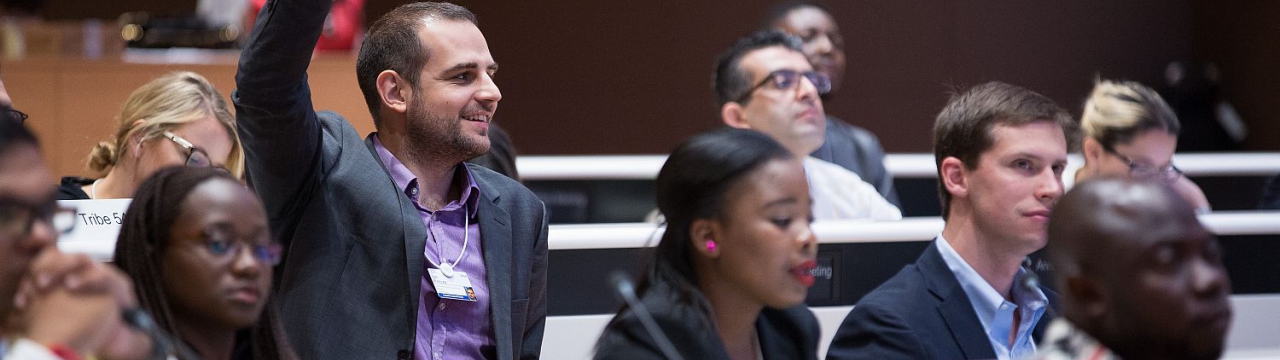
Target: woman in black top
[
  {"x": 729, "y": 277},
  {"x": 196, "y": 245}
]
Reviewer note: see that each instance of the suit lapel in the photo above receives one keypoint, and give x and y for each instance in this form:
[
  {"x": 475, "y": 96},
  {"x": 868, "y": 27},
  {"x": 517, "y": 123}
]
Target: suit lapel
[
  {"x": 495, "y": 232},
  {"x": 415, "y": 240},
  {"x": 954, "y": 306}
]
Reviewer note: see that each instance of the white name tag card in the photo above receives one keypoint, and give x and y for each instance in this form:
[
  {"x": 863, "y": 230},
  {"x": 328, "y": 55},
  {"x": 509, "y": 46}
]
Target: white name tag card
[{"x": 97, "y": 224}]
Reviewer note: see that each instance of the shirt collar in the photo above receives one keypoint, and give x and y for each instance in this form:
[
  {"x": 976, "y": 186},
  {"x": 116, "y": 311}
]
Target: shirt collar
[
  {"x": 986, "y": 300},
  {"x": 408, "y": 183}
]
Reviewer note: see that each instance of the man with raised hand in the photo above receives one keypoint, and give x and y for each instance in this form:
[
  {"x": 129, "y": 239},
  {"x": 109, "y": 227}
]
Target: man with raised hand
[{"x": 388, "y": 237}]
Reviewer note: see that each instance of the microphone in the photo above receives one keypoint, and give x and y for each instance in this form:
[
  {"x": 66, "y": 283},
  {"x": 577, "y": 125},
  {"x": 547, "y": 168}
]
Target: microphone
[
  {"x": 162, "y": 343},
  {"x": 627, "y": 291},
  {"x": 1030, "y": 281}
]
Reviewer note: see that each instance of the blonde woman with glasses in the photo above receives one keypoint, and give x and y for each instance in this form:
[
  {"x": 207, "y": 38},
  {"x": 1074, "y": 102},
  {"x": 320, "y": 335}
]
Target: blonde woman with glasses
[
  {"x": 1131, "y": 132},
  {"x": 177, "y": 119}
]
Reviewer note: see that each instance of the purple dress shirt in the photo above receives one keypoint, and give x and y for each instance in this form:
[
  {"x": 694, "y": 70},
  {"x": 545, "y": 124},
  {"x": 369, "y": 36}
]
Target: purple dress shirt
[{"x": 448, "y": 329}]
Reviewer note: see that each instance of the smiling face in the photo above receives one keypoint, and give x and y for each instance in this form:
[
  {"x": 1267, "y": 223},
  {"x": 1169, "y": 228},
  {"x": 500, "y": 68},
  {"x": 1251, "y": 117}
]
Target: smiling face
[
  {"x": 792, "y": 116},
  {"x": 822, "y": 41},
  {"x": 1015, "y": 184},
  {"x": 765, "y": 246},
  {"x": 205, "y": 288},
  {"x": 456, "y": 97}
]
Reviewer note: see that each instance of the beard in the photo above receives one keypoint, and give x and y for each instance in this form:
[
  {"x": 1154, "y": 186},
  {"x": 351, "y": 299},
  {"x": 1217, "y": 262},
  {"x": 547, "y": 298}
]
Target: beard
[{"x": 440, "y": 137}]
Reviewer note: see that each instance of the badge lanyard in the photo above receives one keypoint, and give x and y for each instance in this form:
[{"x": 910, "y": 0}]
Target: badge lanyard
[{"x": 446, "y": 268}]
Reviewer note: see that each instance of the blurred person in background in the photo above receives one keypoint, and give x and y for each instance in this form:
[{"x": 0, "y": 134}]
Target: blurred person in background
[
  {"x": 1209, "y": 122},
  {"x": 1131, "y": 132},
  {"x": 1139, "y": 276},
  {"x": 729, "y": 277},
  {"x": 844, "y": 144},
  {"x": 176, "y": 119},
  {"x": 196, "y": 242},
  {"x": 763, "y": 82}
]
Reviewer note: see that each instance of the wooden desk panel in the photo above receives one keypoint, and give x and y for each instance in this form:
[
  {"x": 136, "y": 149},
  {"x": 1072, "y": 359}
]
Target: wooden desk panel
[{"x": 73, "y": 103}]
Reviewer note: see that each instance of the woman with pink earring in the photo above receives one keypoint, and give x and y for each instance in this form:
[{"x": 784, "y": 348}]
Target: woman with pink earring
[{"x": 731, "y": 272}]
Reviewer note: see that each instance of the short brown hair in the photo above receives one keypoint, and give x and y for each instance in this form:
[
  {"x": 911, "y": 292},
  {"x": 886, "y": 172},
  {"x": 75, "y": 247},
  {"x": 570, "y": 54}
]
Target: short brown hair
[
  {"x": 963, "y": 128},
  {"x": 392, "y": 44}
]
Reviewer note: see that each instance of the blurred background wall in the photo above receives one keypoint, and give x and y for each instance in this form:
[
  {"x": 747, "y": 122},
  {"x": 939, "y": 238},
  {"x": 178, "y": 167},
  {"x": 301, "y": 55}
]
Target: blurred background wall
[{"x": 625, "y": 77}]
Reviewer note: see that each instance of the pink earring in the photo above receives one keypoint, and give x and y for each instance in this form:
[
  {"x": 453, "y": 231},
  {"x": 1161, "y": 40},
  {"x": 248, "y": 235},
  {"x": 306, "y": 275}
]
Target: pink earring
[{"x": 711, "y": 245}]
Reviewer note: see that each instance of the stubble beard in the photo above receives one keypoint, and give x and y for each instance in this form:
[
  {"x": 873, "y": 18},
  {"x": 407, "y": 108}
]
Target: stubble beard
[{"x": 437, "y": 137}]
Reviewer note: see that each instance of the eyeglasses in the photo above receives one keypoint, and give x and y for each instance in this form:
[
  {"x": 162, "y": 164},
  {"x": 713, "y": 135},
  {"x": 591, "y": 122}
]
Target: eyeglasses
[
  {"x": 8, "y": 112},
  {"x": 17, "y": 218},
  {"x": 225, "y": 244},
  {"x": 786, "y": 79},
  {"x": 195, "y": 156},
  {"x": 1166, "y": 174}
]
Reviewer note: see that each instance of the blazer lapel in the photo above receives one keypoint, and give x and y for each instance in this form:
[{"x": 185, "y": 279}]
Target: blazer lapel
[
  {"x": 415, "y": 240},
  {"x": 954, "y": 306},
  {"x": 495, "y": 232}
]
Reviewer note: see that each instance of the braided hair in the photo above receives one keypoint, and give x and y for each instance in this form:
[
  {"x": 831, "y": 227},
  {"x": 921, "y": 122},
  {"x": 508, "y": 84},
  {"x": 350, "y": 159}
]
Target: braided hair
[{"x": 144, "y": 236}]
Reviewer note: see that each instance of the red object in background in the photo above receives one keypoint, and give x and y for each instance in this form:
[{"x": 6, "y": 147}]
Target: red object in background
[{"x": 342, "y": 29}]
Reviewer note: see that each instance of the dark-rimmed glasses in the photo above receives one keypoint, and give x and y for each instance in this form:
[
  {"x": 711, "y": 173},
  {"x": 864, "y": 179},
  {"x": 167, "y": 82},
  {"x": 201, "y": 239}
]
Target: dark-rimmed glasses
[
  {"x": 787, "y": 79},
  {"x": 195, "y": 156},
  {"x": 1166, "y": 174},
  {"x": 17, "y": 217},
  {"x": 8, "y": 112}
]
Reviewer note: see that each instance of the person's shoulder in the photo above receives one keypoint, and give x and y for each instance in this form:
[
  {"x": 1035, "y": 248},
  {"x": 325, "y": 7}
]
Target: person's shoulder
[{"x": 70, "y": 188}]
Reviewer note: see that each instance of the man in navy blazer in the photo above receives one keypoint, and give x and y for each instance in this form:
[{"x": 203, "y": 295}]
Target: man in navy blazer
[
  {"x": 1000, "y": 151},
  {"x": 381, "y": 233}
]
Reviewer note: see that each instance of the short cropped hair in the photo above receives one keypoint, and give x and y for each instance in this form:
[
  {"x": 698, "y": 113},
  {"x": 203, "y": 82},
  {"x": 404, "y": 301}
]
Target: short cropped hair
[
  {"x": 392, "y": 43},
  {"x": 1117, "y": 111},
  {"x": 963, "y": 128},
  {"x": 730, "y": 81}
]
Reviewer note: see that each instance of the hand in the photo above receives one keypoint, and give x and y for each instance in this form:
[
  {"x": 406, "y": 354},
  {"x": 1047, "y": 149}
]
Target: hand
[
  {"x": 53, "y": 269},
  {"x": 81, "y": 322},
  {"x": 74, "y": 301}
]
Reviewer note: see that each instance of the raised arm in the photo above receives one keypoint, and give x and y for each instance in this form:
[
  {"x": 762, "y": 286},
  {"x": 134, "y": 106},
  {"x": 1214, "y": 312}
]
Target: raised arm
[{"x": 280, "y": 130}]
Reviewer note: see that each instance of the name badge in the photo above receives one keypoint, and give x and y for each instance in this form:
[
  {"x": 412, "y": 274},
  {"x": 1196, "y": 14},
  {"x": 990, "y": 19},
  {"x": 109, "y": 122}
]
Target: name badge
[
  {"x": 455, "y": 287},
  {"x": 97, "y": 224}
]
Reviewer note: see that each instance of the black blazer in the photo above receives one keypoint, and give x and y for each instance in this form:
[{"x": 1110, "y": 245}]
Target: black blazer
[
  {"x": 349, "y": 284},
  {"x": 790, "y": 333},
  {"x": 920, "y": 313}
]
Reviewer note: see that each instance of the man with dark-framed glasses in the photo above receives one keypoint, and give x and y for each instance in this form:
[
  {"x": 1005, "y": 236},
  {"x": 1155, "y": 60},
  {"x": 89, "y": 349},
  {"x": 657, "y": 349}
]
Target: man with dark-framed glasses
[
  {"x": 765, "y": 83},
  {"x": 74, "y": 311}
]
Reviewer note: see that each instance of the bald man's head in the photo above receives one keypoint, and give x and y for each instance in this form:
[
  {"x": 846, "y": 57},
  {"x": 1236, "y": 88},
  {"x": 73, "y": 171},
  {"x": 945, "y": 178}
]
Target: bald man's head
[{"x": 1138, "y": 271}]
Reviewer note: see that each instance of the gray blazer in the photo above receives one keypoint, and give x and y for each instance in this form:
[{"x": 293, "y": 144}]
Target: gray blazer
[{"x": 348, "y": 287}]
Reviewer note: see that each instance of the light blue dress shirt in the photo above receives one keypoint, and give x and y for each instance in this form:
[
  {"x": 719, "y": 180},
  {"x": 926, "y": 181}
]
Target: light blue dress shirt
[{"x": 996, "y": 313}]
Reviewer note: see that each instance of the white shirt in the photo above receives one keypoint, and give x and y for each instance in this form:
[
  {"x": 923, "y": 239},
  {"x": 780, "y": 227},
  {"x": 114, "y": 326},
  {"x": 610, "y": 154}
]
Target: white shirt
[
  {"x": 841, "y": 194},
  {"x": 24, "y": 349}
]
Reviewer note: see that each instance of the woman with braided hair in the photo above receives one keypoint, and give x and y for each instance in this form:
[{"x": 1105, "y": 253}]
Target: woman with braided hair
[{"x": 195, "y": 242}]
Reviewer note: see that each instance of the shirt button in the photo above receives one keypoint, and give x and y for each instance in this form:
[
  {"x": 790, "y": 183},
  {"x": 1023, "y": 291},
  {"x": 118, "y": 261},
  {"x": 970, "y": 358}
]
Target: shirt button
[
  {"x": 441, "y": 305},
  {"x": 437, "y": 356}
]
